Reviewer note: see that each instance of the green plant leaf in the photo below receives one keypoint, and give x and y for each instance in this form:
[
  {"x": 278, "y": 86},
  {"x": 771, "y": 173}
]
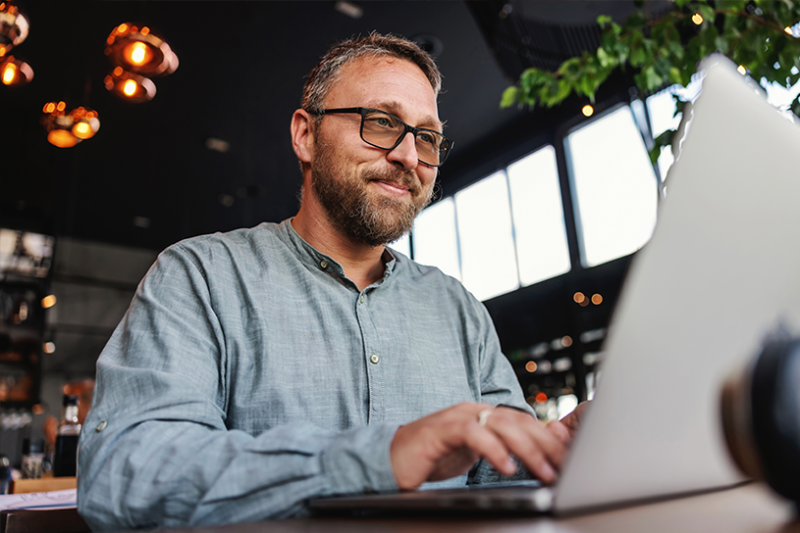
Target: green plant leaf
[
  {"x": 509, "y": 97},
  {"x": 652, "y": 79},
  {"x": 664, "y": 139},
  {"x": 707, "y": 12},
  {"x": 796, "y": 106},
  {"x": 603, "y": 20},
  {"x": 605, "y": 59}
]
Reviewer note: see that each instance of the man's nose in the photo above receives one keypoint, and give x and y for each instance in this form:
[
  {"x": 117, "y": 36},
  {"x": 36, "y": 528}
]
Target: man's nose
[{"x": 405, "y": 153}]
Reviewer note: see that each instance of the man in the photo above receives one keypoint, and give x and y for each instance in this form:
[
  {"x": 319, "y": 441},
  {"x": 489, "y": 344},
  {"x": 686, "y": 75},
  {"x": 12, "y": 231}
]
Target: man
[{"x": 262, "y": 367}]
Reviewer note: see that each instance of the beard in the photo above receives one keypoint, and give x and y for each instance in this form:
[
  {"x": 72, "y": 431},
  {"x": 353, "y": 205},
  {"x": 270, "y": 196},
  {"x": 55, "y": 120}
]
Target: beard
[{"x": 361, "y": 214}]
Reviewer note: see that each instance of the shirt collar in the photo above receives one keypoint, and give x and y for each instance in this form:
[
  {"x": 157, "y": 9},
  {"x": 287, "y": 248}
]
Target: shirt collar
[{"x": 315, "y": 259}]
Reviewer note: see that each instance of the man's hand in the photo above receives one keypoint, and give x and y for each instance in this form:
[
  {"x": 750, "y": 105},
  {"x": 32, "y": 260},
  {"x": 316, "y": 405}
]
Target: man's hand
[
  {"x": 565, "y": 429},
  {"x": 448, "y": 442}
]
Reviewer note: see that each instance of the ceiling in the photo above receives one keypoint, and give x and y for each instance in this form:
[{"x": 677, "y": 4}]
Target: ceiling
[{"x": 147, "y": 178}]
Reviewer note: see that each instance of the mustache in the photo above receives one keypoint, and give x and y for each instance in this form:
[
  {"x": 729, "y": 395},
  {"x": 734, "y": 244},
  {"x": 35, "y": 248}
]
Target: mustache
[{"x": 395, "y": 177}]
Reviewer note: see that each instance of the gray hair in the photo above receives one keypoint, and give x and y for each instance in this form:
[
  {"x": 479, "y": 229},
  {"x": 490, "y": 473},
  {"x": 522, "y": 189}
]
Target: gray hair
[{"x": 322, "y": 77}]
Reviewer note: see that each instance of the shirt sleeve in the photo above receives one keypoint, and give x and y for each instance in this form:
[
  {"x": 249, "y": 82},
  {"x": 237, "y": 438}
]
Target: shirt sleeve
[
  {"x": 499, "y": 387},
  {"x": 155, "y": 450}
]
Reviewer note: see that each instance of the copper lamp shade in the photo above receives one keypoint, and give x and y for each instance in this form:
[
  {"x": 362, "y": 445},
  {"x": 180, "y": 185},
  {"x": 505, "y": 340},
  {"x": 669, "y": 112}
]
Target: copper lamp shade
[
  {"x": 14, "y": 72},
  {"x": 14, "y": 27},
  {"x": 65, "y": 130},
  {"x": 130, "y": 86},
  {"x": 137, "y": 50}
]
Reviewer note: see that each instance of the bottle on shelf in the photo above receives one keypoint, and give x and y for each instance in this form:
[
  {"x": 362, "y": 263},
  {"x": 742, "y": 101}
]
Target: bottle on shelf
[
  {"x": 32, "y": 458},
  {"x": 66, "y": 455}
]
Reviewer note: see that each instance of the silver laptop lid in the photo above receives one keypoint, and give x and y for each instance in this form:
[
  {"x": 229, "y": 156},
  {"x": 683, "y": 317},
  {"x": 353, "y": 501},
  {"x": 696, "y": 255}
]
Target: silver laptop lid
[{"x": 721, "y": 271}]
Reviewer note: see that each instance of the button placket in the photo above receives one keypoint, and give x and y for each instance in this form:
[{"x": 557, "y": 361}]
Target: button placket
[{"x": 372, "y": 358}]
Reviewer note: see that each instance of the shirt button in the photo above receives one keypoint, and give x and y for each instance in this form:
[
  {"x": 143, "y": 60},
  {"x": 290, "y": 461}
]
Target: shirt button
[
  {"x": 374, "y": 358},
  {"x": 362, "y": 299},
  {"x": 323, "y": 264},
  {"x": 101, "y": 426}
]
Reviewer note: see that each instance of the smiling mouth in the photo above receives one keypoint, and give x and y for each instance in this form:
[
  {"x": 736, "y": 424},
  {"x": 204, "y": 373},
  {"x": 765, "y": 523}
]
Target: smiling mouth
[{"x": 394, "y": 187}]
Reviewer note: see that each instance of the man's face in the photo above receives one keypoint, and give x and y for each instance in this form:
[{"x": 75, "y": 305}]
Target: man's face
[{"x": 370, "y": 194}]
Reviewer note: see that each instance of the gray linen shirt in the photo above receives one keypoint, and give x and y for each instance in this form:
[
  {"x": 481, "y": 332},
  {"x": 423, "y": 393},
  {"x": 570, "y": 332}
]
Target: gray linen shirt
[{"x": 249, "y": 374}]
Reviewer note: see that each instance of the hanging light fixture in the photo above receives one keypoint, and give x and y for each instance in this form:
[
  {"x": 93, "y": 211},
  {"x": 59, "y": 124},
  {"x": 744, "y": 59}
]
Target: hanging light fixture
[
  {"x": 139, "y": 51},
  {"x": 130, "y": 86},
  {"x": 13, "y": 30},
  {"x": 13, "y": 27},
  {"x": 14, "y": 72},
  {"x": 138, "y": 54},
  {"x": 66, "y": 129},
  {"x": 85, "y": 123}
]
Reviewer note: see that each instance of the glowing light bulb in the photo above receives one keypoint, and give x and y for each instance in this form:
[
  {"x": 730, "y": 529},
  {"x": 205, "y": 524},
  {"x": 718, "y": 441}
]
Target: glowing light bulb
[
  {"x": 788, "y": 30},
  {"x": 49, "y": 301},
  {"x": 530, "y": 366},
  {"x": 9, "y": 74},
  {"x": 138, "y": 53},
  {"x": 741, "y": 70},
  {"x": 129, "y": 88},
  {"x": 697, "y": 18},
  {"x": 49, "y": 347},
  {"x": 578, "y": 297},
  {"x": 82, "y": 130},
  {"x": 597, "y": 299},
  {"x": 587, "y": 110}
]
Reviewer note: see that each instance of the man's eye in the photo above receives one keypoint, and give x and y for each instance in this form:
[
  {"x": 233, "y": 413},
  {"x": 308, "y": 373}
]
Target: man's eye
[
  {"x": 427, "y": 138},
  {"x": 381, "y": 120}
]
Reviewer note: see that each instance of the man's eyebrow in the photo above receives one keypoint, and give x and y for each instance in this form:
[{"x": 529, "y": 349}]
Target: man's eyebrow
[{"x": 428, "y": 122}]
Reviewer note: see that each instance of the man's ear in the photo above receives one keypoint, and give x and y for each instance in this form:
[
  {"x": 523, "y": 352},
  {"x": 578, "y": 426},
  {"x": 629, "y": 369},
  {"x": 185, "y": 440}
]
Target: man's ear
[{"x": 302, "y": 136}]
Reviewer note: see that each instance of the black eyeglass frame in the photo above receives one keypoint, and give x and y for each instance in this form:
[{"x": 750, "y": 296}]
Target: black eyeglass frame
[{"x": 443, "y": 152}]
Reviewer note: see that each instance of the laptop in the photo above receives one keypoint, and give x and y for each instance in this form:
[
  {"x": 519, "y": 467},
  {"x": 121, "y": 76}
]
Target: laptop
[{"x": 718, "y": 277}]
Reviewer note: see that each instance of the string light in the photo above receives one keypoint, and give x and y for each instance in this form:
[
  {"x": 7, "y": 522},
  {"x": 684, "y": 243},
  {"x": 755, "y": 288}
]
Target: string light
[
  {"x": 697, "y": 18},
  {"x": 741, "y": 70},
  {"x": 587, "y": 110}
]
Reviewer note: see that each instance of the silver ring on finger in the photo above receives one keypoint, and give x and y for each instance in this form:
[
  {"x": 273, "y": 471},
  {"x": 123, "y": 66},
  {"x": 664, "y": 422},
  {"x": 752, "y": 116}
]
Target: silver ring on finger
[{"x": 483, "y": 416}]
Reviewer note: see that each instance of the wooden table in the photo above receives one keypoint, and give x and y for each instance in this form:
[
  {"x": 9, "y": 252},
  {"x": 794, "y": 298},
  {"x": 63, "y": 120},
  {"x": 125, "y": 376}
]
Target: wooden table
[{"x": 750, "y": 508}]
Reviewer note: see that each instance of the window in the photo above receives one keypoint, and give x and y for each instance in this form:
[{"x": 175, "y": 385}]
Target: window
[
  {"x": 435, "y": 240},
  {"x": 488, "y": 262},
  {"x": 661, "y": 108},
  {"x": 402, "y": 245},
  {"x": 538, "y": 214},
  {"x": 505, "y": 231},
  {"x": 614, "y": 187}
]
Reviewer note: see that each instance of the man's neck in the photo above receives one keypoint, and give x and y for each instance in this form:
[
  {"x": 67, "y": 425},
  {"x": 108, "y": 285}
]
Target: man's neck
[{"x": 362, "y": 264}]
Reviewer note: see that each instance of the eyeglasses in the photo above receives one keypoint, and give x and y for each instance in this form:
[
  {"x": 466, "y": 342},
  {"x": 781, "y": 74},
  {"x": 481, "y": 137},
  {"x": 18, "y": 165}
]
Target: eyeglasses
[{"x": 385, "y": 131}]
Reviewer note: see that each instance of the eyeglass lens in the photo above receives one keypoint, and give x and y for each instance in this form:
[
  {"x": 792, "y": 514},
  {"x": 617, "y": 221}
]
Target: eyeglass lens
[{"x": 384, "y": 131}]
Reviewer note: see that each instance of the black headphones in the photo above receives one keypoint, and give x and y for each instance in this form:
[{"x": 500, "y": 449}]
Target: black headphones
[{"x": 761, "y": 417}]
